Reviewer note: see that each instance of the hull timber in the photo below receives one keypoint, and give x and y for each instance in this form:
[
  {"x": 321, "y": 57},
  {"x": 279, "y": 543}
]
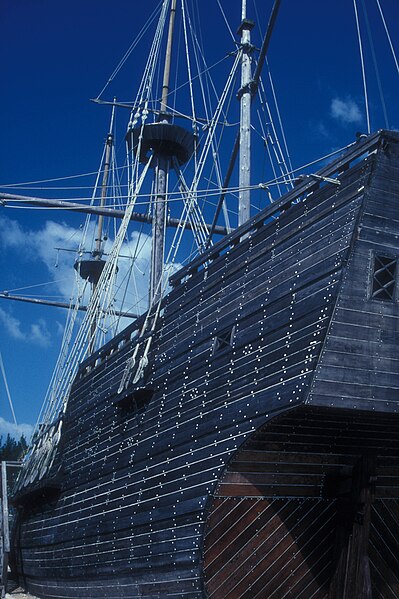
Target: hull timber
[{"x": 260, "y": 458}]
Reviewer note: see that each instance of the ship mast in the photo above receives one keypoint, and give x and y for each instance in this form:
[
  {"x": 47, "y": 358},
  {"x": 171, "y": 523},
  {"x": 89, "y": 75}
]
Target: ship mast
[
  {"x": 162, "y": 164},
  {"x": 92, "y": 268},
  {"x": 98, "y": 252},
  {"x": 245, "y": 97},
  {"x": 163, "y": 143}
]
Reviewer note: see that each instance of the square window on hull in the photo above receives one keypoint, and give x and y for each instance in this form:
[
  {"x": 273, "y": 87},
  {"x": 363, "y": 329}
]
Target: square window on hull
[
  {"x": 384, "y": 278},
  {"x": 135, "y": 401},
  {"x": 223, "y": 340}
]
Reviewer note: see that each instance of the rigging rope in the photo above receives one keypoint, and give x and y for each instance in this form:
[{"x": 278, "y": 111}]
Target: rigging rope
[
  {"x": 3, "y": 372},
  {"x": 104, "y": 298},
  {"x": 131, "y": 48},
  {"x": 359, "y": 37},
  {"x": 279, "y": 155},
  {"x": 278, "y": 113},
  {"x": 376, "y": 69},
  {"x": 388, "y": 35},
  {"x": 267, "y": 137},
  {"x": 190, "y": 79},
  {"x": 226, "y": 21},
  {"x": 36, "y": 285},
  {"x": 191, "y": 211},
  {"x": 99, "y": 305}
]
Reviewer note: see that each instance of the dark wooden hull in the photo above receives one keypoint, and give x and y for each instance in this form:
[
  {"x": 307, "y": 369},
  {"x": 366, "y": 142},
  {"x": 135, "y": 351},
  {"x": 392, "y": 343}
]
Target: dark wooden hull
[{"x": 274, "y": 373}]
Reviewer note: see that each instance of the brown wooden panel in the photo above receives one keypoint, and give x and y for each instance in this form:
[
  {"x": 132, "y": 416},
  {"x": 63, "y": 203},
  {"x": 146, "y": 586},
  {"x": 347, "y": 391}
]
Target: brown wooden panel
[
  {"x": 384, "y": 548},
  {"x": 306, "y": 558},
  {"x": 223, "y": 554},
  {"x": 282, "y": 499},
  {"x": 287, "y": 545}
]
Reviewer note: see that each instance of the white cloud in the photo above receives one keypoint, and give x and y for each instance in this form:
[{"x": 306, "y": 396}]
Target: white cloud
[
  {"x": 36, "y": 333},
  {"x": 136, "y": 272},
  {"x": 322, "y": 130},
  {"x": 39, "y": 333},
  {"x": 132, "y": 279},
  {"x": 41, "y": 244},
  {"x": 11, "y": 234},
  {"x": 346, "y": 111},
  {"x": 12, "y": 325},
  {"x": 15, "y": 430},
  {"x": 60, "y": 327}
]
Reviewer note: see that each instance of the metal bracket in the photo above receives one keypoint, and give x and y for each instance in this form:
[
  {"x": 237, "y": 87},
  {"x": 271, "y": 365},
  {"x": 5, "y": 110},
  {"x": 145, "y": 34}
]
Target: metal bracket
[
  {"x": 251, "y": 87},
  {"x": 246, "y": 24}
]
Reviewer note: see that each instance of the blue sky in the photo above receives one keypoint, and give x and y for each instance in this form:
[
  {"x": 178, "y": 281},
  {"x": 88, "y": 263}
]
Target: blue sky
[{"x": 58, "y": 55}]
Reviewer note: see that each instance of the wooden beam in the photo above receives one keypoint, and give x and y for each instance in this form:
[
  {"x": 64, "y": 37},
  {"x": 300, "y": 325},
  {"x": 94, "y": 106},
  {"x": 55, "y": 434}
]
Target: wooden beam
[
  {"x": 6, "y": 198},
  {"x": 35, "y": 300}
]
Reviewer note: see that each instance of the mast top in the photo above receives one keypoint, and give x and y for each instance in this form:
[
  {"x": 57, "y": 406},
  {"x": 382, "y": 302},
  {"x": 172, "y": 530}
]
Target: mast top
[
  {"x": 168, "y": 59},
  {"x": 163, "y": 138}
]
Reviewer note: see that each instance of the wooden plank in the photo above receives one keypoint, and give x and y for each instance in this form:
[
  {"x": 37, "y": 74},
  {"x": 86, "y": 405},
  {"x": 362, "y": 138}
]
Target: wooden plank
[
  {"x": 233, "y": 263},
  {"x": 199, "y": 316},
  {"x": 271, "y": 210},
  {"x": 238, "y": 528},
  {"x": 267, "y": 554}
]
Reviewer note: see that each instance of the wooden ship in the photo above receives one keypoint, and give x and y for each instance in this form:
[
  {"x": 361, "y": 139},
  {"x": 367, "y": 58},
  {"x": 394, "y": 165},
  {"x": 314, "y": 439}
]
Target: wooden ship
[{"x": 239, "y": 439}]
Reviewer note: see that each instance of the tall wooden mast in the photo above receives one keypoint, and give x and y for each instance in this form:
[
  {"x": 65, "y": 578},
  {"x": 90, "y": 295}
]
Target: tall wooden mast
[
  {"x": 98, "y": 252},
  {"x": 168, "y": 143},
  {"x": 162, "y": 164},
  {"x": 245, "y": 96},
  {"x": 92, "y": 268}
]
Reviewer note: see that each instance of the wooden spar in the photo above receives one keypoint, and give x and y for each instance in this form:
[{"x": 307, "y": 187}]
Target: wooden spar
[
  {"x": 161, "y": 175},
  {"x": 111, "y": 212},
  {"x": 265, "y": 46},
  {"x": 168, "y": 58},
  {"x": 254, "y": 89},
  {"x": 244, "y": 197},
  {"x": 104, "y": 186},
  {"x": 98, "y": 249},
  {"x": 226, "y": 182},
  {"x": 35, "y": 300}
]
